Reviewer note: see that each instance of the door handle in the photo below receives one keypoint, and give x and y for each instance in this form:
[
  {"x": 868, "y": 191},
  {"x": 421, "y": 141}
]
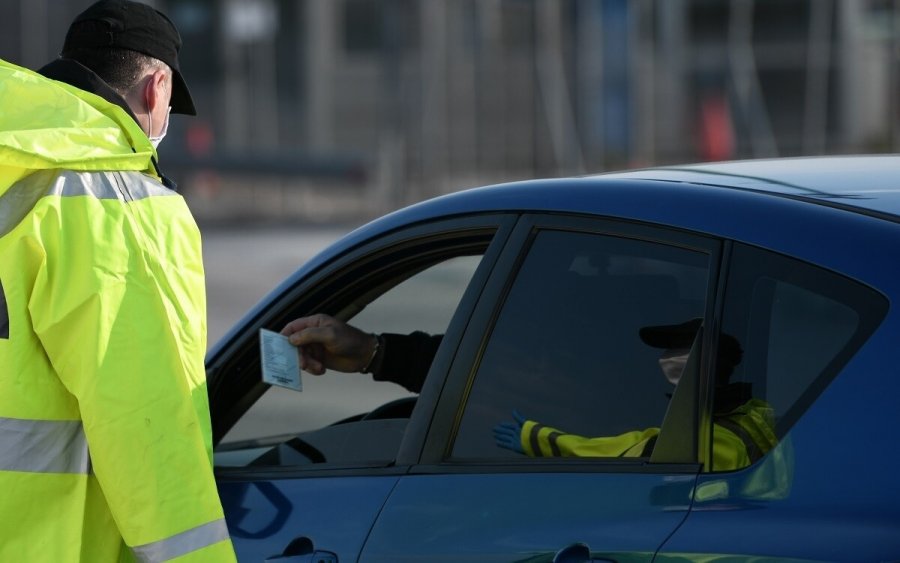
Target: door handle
[
  {"x": 301, "y": 550},
  {"x": 577, "y": 553}
]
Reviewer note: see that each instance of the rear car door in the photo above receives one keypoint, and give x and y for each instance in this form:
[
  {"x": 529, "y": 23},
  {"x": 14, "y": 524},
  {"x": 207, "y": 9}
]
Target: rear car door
[
  {"x": 555, "y": 336},
  {"x": 804, "y": 331}
]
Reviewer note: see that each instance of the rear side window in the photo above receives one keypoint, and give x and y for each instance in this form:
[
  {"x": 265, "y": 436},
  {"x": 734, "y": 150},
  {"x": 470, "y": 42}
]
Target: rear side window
[{"x": 797, "y": 325}]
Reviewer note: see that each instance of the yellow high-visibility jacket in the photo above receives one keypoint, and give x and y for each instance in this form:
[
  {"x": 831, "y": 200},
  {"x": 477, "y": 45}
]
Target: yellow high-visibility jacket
[
  {"x": 740, "y": 437},
  {"x": 105, "y": 440}
]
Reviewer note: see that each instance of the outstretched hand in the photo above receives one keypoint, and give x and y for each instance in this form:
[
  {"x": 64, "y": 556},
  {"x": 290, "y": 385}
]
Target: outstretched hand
[
  {"x": 508, "y": 435},
  {"x": 327, "y": 343}
]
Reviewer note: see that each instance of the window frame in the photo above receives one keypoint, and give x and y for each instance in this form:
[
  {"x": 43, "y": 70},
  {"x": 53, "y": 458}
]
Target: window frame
[
  {"x": 436, "y": 455},
  {"x": 808, "y": 270},
  {"x": 233, "y": 375}
]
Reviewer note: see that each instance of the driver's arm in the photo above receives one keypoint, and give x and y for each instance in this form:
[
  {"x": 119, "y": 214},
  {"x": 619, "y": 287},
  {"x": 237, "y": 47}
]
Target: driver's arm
[
  {"x": 406, "y": 358},
  {"x": 328, "y": 343}
]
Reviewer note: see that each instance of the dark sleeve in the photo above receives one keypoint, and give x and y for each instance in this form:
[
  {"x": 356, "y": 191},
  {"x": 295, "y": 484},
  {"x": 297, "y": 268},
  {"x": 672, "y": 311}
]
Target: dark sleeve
[{"x": 407, "y": 358}]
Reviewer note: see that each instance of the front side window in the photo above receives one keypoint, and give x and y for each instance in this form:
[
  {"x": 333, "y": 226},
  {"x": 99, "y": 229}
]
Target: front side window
[
  {"x": 571, "y": 367},
  {"x": 350, "y": 418}
]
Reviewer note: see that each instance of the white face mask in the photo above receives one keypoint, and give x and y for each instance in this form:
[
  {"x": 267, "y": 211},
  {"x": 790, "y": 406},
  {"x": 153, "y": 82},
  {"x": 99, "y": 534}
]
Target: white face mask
[
  {"x": 155, "y": 141},
  {"x": 672, "y": 363}
]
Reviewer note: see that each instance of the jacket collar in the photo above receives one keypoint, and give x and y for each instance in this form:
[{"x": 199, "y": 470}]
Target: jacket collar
[{"x": 76, "y": 74}]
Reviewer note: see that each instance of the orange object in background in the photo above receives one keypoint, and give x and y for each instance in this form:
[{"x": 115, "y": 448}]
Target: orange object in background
[
  {"x": 199, "y": 138},
  {"x": 716, "y": 140}
]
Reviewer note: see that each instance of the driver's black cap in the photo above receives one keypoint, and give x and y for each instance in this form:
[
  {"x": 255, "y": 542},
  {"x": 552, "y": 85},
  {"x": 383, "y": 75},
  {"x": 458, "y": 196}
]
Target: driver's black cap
[
  {"x": 682, "y": 336},
  {"x": 136, "y": 27}
]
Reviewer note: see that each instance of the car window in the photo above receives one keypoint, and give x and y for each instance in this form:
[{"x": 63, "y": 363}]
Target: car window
[
  {"x": 797, "y": 325},
  {"x": 565, "y": 350},
  {"x": 326, "y": 414}
]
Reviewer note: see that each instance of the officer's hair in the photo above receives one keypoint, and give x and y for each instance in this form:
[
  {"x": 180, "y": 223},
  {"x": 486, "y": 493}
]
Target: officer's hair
[{"x": 120, "y": 68}]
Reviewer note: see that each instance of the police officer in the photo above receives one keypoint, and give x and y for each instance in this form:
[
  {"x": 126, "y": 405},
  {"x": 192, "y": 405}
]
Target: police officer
[{"x": 105, "y": 441}]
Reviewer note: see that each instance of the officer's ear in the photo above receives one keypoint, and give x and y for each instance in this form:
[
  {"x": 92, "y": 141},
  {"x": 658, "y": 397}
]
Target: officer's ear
[{"x": 157, "y": 90}]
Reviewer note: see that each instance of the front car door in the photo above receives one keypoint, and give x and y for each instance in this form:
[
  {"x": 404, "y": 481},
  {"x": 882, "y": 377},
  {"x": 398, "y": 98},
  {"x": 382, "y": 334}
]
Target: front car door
[{"x": 303, "y": 476}]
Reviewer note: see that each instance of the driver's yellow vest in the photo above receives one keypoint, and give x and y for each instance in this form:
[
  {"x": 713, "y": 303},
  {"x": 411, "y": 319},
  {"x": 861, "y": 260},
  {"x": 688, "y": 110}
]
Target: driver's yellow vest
[
  {"x": 105, "y": 442},
  {"x": 740, "y": 437}
]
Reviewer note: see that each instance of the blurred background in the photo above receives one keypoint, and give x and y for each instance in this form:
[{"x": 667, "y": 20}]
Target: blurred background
[
  {"x": 323, "y": 110},
  {"x": 332, "y": 112}
]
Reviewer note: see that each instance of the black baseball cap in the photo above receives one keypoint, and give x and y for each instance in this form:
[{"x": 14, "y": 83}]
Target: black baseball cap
[
  {"x": 137, "y": 27},
  {"x": 682, "y": 336}
]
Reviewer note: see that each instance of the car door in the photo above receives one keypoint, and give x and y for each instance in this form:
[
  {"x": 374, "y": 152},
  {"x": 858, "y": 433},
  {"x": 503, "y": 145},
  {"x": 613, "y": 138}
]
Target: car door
[
  {"x": 555, "y": 337},
  {"x": 303, "y": 475}
]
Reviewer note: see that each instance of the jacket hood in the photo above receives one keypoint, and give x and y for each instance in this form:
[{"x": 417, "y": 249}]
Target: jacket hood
[{"x": 46, "y": 124}]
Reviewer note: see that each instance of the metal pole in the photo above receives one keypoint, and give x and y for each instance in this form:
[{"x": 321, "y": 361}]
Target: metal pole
[
  {"x": 434, "y": 96},
  {"x": 235, "y": 84},
  {"x": 490, "y": 82},
  {"x": 320, "y": 31},
  {"x": 265, "y": 86},
  {"x": 894, "y": 77},
  {"x": 747, "y": 88},
  {"x": 643, "y": 80},
  {"x": 554, "y": 89},
  {"x": 672, "y": 77},
  {"x": 34, "y": 33},
  {"x": 589, "y": 81},
  {"x": 818, "y": 61}
]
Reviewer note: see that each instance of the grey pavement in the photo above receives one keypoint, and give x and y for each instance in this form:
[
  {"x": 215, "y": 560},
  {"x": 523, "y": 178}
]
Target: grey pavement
[
  {"x": 242, "y": 267},
  {"x": 243, "y": 264}
]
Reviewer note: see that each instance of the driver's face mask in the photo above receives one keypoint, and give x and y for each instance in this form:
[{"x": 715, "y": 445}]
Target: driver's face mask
[
  {"x": 672, "y": 363},
  {"x": 155, "y": 141}
]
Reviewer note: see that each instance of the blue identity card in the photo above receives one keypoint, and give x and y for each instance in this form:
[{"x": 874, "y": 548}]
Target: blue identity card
[{"x": 280, "y": 361}]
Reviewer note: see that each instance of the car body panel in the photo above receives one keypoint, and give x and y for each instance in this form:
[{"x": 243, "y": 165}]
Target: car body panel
[
  {"x": 828, "y": 491},
  {"x": 864, "y": 183},
  {"x": 619, "y": 516},
  {"x": 265, "y": 515}
]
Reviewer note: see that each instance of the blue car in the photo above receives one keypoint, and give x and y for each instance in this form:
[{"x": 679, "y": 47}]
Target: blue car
[{"x": 559, "y": 302}]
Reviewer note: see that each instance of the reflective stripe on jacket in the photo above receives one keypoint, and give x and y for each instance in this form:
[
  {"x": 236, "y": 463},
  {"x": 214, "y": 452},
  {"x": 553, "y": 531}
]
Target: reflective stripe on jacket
[
  {"x": 105, "y": 440},
  {"x": 740, "y": 438}
]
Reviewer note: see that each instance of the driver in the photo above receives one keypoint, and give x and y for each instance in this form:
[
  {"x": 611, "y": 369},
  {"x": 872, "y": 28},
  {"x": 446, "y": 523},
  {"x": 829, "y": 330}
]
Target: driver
[{"x": 743, "y": 427}]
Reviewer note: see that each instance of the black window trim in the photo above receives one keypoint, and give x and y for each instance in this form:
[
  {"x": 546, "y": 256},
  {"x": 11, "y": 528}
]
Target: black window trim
[
  {"x": 448, "y": 412},
  {"x": 312, "y": 295},
  {"x": 833, "y": 369}
]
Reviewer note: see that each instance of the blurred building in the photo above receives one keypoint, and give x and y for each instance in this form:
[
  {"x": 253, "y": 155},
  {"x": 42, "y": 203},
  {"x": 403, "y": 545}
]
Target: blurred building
[{"x": 397, "y": 100}]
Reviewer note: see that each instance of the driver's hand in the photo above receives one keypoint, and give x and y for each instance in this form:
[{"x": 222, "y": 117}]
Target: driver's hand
[{"x": 327, "y": 343}]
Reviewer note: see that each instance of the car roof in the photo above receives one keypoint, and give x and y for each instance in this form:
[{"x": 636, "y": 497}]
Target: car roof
[
  {"x": 690, "y": 195},
  {"x": 869, "y": 183},
  {"x": 700, "y": 198}
]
